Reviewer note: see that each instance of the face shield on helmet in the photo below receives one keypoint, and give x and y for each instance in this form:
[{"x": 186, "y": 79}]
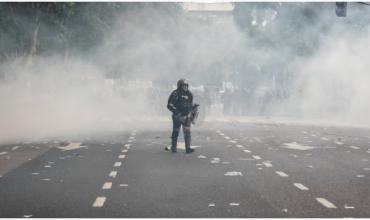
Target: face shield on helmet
[{"x": 183, "y": 84}]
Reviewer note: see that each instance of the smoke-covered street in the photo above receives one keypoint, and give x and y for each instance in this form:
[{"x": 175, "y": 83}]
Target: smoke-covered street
[
  {"x": 272, "y": 96},
  {"x": 239, "y": 169}
]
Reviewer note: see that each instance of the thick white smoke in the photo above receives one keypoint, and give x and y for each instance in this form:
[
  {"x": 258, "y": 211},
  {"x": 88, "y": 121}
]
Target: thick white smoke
[
  {"x": 333, "y": 84},
  {"x": 52, "y": 97}
]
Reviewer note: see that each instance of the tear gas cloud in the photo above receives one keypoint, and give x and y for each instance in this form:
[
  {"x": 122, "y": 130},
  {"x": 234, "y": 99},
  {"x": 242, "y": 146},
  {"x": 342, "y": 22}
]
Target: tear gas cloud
[{"x": 298, "y": 61}]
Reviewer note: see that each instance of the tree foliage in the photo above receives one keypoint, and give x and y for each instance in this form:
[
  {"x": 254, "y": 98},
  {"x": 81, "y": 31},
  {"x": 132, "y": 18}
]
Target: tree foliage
[{"x": 32, "y": 28}]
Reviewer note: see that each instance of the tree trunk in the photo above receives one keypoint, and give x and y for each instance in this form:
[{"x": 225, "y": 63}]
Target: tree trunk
[{"x": 34, "y": 41}]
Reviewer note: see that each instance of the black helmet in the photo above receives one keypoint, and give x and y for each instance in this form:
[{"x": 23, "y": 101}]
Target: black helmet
[{"x": 182, "y": 82}]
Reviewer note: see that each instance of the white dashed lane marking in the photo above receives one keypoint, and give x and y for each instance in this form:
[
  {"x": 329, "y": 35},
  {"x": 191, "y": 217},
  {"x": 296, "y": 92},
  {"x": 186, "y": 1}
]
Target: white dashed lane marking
[
  {"x": 247, "y": 151},
  {"x": 99, "y": 202},
  {"x": 354, "y": 147},
  {"x": 121, "y": 156},
  {"x": 348, "y": 206},
  {"x": 301, "y": 186},
  {"x": 282, "y": 174},
  {"x": 211, "y": 205},
  {"x": 124, "y": 151},
  {"x": 117, "y": 164},
  {"x": 107, "y": 185},
  {"x": 240, "y": 146},
  {"x": 15, "y": 147},
  {"x": 233, "y": 173},
  {"x": 234, "y": 204},
  {"x": 326, "y": 203},
  {"x": 113, "y": 174},
  {"x": 267, "y": 163},
  {"x": 127, "y": 145},
  {"x": 256, "y": 157},
  {"x": 3, "y": 153}
]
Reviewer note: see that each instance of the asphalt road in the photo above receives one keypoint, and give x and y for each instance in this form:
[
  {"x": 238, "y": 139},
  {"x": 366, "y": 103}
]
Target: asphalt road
[{"x": 238, "y": 170}]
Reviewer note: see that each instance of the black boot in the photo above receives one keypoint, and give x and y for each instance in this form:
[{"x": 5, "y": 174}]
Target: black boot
[
  {"x": 187, "y": 145},
  {"x": 174, "y": 145}
]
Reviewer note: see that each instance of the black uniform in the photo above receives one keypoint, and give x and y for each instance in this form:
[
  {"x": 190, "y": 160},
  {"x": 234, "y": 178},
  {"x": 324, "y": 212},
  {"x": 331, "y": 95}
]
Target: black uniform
[{"x": 180, "y": 104}]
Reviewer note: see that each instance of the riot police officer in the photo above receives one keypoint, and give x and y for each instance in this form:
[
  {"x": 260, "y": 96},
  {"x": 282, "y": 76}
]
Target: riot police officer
[{"x": 180, "y": 104}]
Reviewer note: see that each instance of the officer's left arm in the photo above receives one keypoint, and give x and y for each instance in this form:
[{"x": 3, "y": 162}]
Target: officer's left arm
[{"x": 191, "y": 98}]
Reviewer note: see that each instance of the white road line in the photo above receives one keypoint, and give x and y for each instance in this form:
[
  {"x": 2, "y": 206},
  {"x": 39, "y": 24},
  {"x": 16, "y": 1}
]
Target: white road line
[
  {"x": 226, "y": 137},
  {"x": 267, "y": 164},
  {"x": 113, "y": 174},
  {"x": 232, "y": 141},
  {"x": 326, "y": 203},
  {"x": 354, "y": 147},
  {"x": 107, "y": 185},
  {"x": 99, "y": 202},
  {"x": 300, "y": 186},
  {"x": 234, "y": 204},
  {"x": 129, "y": 141},
  {"x": 282, "y": 174},
  {"x": 233, "y": 173},
  {"x": 15, "y": 147},
  {"x": 256, "y": 157},
  {"x": 127, "y": 145},
  {"x": 211, "y": 205},
  {"x": 124, "y": 151},
  {"x": 117, "y": 164},
  {"x": 240, "y": 146},
  {"x": 247, "y": 151},
  {"x": 123, "y": 185},
  {"x": 348, "y": 206},
  {"x": 121, "y": 156},
  {"x": 3, "y": 153}
]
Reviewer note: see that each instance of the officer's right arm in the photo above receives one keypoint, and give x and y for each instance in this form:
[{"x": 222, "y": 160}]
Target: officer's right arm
[{"x": 171, "y": 103}]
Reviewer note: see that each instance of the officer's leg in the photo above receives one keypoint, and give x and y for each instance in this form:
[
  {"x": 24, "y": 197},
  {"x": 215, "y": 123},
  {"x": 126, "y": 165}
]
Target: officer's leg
[
  {"x": 187, "y": 135},
  {"x": 175, "y": 133}
]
